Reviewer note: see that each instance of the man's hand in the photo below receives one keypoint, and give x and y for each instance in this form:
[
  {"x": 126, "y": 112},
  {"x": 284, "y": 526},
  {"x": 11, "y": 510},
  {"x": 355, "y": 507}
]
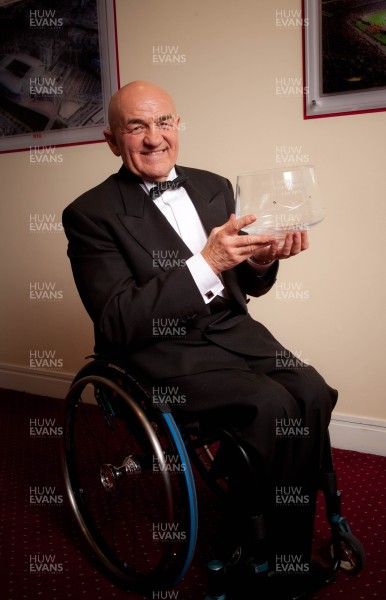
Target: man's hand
[
  {"x": 293, "y": 244},
  {"x": 226, "y": 249}
]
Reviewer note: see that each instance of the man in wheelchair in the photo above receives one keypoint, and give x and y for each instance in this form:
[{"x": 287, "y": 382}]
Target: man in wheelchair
[{"x": 164, "y": 272}]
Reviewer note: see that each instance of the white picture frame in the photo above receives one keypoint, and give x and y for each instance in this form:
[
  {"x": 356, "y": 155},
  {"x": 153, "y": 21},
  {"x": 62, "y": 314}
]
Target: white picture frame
[
  {"x": 317, "y": 14},
  {"x": 58, "y": 71}
]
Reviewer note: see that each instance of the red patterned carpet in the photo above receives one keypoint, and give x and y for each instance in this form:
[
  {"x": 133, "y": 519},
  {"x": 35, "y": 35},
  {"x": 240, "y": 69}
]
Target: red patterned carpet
[{"x": 33, "y": 533}]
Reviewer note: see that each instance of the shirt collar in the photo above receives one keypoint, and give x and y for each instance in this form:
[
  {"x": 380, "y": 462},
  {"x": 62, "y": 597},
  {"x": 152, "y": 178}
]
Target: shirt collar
[{"x": 149, "y": 184}]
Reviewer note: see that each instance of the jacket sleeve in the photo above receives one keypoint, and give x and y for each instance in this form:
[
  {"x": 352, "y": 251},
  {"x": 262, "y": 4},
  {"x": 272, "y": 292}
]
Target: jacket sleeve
[
  {"x": 123, "y": 308},
  {"x": 253, "y": 284}
]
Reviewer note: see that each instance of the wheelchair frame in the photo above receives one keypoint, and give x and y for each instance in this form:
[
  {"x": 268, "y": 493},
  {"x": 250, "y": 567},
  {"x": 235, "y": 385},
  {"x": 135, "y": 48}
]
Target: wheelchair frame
[{"x": 127, "y": 465}]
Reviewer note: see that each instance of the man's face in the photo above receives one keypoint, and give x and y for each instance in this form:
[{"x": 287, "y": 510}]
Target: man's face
[{"x": 144, "y": 132}]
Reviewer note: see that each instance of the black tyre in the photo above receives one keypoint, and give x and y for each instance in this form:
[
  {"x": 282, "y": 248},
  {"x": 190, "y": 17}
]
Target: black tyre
[
  {"x": 128, "y": 479},
  {"x": 352, "y": 553}
]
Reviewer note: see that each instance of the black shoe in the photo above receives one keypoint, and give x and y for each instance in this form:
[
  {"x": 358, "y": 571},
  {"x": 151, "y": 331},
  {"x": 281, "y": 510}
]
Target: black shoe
[
  {"x": 246, "y": 579},
  {"x": 320, "y": 575}
]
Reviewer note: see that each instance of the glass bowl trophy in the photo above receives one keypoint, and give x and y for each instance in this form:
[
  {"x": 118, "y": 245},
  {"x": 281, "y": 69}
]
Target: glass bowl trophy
[{"x": 284, "y": 200}]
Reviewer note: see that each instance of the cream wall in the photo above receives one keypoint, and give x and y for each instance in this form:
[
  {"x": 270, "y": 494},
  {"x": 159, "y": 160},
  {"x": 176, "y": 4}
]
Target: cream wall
[{"x": 231, "y": 55}]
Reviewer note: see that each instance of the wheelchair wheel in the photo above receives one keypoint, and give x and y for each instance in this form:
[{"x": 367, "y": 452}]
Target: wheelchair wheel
[
  {"x": 352, "y": 553},
  {"x": 129, "y": 479}
]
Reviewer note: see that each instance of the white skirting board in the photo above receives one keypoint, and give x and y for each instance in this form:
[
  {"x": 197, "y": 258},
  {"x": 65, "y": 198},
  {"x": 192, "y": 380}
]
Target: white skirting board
[
  {"x": 348, "y": 432},
  {"x": 353, "y": 432},
  {"x": 53, "y": 384}
]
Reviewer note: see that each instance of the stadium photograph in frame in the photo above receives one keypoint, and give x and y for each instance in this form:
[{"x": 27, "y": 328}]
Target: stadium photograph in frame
[
  {"x": 58, "y": 69},
  {"x": 344, "y": 57}
]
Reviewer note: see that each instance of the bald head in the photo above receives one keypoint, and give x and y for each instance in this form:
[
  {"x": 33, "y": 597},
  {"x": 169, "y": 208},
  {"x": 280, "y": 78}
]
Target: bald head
[
  {"x": 143, "y": 129},
  {"x": 136, "y": 93}
]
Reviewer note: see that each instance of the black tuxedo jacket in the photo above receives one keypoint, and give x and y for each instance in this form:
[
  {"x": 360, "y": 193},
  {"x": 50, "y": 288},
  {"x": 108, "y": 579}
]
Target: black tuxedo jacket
[{"x": 129, "y": 268}]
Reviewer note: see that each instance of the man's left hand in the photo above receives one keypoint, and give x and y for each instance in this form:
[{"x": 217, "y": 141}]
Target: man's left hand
[{"x": 294, "y": 243}]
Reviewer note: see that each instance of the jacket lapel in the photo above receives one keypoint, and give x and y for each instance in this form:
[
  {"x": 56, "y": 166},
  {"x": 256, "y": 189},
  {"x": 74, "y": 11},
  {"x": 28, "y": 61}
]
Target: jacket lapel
[
  {"x": 210, "y": 209},
  {"x": 146, "y": 223}
]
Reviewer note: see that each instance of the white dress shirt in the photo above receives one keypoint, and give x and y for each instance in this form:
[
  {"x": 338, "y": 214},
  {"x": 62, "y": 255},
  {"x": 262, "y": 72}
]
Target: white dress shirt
[{"x": 179, "y": 210}]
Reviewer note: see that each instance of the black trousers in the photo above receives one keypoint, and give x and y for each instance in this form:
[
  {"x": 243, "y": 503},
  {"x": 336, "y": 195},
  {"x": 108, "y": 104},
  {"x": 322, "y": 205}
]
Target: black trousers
[{"x": 279, "y": 408}]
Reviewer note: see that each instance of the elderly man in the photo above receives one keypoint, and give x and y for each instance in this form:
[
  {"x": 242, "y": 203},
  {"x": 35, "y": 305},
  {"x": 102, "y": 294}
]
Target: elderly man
[{"x": 164, "y": 274}]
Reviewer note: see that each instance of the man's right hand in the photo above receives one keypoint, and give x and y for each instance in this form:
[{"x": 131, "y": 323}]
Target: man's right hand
[{"x": 226, "y": 249}]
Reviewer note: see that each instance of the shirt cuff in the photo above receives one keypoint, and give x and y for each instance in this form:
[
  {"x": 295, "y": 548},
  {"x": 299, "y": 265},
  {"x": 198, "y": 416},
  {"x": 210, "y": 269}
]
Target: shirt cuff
[{"x": 209, "y": 285}]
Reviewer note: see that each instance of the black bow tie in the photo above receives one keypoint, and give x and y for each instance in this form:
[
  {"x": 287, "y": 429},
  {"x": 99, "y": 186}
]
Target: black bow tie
[{"x": 163, "y": 186}]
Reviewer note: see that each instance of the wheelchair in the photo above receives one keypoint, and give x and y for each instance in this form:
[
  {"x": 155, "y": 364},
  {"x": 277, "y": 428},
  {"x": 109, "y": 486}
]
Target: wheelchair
[{"x": 130, "y": 470}]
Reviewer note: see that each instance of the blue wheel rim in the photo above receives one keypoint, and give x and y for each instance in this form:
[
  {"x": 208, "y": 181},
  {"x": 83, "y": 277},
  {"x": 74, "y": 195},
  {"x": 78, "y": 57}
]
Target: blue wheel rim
[{"x": 191, "y": 489}]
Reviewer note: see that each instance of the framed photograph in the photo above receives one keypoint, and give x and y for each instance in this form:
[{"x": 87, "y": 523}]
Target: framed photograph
[
  {"x": 58, "y": 70},
  {"x": 344, "y": 57}
]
